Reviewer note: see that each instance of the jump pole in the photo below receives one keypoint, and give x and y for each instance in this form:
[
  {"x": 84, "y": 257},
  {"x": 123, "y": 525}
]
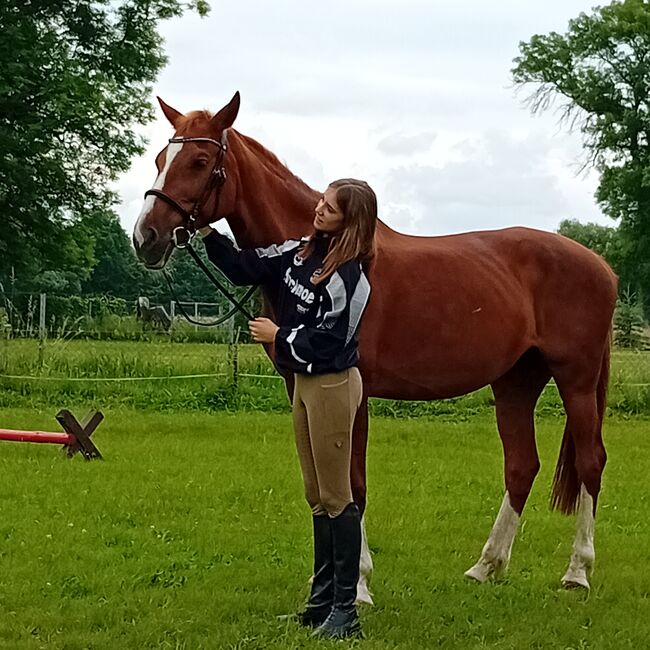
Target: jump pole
[{"x": 75, "y": 439}]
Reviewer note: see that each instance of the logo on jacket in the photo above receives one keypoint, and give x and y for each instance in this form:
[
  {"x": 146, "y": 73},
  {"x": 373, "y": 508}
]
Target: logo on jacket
[{"x": 298, "y": 289}]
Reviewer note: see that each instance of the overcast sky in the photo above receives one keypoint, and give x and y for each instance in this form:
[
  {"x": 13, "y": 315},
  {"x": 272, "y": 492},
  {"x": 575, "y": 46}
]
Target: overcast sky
[{"x": 414, "y": 96}]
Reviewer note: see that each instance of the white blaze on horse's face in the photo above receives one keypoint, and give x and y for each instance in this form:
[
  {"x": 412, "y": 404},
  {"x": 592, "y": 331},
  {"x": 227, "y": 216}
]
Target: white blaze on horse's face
[{"x": 141, "y": 226}]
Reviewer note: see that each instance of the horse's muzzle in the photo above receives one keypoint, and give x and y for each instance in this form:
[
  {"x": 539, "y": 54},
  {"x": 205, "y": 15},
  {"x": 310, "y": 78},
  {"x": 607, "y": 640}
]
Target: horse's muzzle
[{"x": 153, "y": 251}]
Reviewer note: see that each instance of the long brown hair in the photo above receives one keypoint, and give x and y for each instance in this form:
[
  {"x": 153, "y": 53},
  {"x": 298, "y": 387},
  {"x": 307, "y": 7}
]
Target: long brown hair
[{"x": 356, "y": 240}]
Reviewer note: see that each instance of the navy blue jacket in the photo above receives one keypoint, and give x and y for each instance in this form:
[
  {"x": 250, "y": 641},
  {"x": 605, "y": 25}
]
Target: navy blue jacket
[{"x": 318, "y": 322}]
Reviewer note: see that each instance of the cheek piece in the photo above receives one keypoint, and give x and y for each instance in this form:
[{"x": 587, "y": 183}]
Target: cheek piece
[{"x": 182, "y": 235}]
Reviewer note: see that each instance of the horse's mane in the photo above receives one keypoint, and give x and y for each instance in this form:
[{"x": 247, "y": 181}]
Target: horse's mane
[
  {"x": 271, "y": 162},
  {"x": 199, "y": 122}
]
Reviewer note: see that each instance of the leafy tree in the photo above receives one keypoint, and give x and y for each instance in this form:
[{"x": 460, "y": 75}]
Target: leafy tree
[
  {"x": 115, "y": 269},
  {"x": 75, "y": 79},
  {"x": 600, "y": 71}
]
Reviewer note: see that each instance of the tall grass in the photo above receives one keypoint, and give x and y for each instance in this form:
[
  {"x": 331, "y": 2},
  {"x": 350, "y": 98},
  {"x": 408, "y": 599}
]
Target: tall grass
[{"x": 160, "y": 363}]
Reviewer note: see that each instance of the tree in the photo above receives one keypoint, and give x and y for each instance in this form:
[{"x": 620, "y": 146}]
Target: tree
[
  {"x": 115, "y": 269},
  {"x": 600, "y": 70},
  {"x": 75, "y": 79},
  {"x": 628, "y": 322}
]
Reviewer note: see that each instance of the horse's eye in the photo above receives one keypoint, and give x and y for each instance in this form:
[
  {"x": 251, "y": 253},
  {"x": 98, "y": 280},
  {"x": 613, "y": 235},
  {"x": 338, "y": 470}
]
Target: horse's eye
[{"x": 200, "y": 162}]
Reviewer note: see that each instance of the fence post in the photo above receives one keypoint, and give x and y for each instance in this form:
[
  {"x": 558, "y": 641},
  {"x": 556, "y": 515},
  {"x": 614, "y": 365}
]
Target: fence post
[
  {"x": 42, "y": 332},
  {"x": 196, "y": 315},
  {"x": 233, "y": 349},
  {"x": 41, "y": 315},
  {"x": 6, "y": 331},
  {"x": 231, "y": 327}
]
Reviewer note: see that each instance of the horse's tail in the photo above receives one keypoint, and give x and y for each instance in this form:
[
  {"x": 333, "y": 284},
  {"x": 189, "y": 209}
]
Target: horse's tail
[
  {"x": 603, "y": 379},
  {"x": 566, "y": 485}
]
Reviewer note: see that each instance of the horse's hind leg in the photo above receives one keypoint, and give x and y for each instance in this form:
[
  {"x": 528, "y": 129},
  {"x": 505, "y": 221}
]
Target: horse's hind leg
[
  {"x": 583, "y": 555},
  {"x": 358, "y": 483},
  {"x": 515, "y": 395},
  {"x": 588, "y": 456}
]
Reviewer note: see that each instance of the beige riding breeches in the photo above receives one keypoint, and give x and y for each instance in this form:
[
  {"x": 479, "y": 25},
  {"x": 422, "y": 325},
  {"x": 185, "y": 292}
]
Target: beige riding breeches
[{"x": 324, "y": 408}]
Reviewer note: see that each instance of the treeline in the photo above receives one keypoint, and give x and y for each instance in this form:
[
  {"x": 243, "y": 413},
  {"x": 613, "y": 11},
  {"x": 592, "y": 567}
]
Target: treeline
[{"x": 97, "y": 258}]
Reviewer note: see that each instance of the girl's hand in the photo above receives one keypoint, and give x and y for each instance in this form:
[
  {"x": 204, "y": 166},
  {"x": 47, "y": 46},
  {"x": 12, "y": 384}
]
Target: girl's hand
[{"x": 263, "y": 330}]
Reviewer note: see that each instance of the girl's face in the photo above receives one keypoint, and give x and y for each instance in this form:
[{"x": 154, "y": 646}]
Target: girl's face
[{"x": 329, "y": 217}]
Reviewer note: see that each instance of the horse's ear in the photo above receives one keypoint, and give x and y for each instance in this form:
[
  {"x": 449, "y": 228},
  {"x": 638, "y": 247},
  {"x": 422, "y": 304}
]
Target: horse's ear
[
  {"x": 225, "y": 118},
  {"x": 170, "y": 113}
]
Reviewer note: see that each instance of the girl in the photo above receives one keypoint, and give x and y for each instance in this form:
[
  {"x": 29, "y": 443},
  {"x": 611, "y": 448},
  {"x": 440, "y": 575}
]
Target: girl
[{"x": 323, "y": 293}]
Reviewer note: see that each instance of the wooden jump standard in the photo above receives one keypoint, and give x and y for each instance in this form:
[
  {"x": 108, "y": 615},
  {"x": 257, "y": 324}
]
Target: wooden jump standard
[{"x": 75, "y": 439}]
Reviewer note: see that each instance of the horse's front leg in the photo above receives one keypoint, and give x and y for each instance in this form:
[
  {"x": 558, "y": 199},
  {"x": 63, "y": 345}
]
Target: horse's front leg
[{"x": 358, "y": 482}]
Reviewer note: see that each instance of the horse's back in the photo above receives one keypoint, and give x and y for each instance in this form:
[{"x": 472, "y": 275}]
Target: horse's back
[{"x": 472, "y": 304}]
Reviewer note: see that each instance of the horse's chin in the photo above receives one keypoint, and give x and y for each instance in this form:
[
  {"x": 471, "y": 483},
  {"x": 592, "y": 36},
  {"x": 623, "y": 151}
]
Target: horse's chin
[
  {"x": 158, "y": 266},
  {"x": 161, "y": 262}
]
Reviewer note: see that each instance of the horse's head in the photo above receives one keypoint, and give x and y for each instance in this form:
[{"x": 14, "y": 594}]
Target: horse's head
[{"x": 191, "y": 189}]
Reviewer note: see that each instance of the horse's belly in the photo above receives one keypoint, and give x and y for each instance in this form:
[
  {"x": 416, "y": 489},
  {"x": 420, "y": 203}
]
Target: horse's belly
[
  {"x": 443, "y": 357},
  {"x": 432, "y": 382}
]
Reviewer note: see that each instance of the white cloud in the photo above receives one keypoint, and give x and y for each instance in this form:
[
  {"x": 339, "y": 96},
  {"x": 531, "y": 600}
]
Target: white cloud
[
  {"x": 500, "y": 181},
  {"x": 402, "y": 144}
]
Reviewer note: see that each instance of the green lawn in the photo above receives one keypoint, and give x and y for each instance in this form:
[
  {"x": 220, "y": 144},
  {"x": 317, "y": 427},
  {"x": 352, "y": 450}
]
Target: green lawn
[{"x": 193, "y": 534}]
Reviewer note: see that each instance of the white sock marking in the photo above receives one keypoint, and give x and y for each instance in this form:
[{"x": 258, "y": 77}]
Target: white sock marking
[
  {"x": 365, "y": 568},
  {"x": 170, "y": 154},
  {"x": 496, "y": 552},
  {"x": 583, "y": 556}
]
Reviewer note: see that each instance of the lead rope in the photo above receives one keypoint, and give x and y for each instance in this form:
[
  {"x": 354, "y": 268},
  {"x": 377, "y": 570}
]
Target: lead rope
[{"x": 238, "y": 304}]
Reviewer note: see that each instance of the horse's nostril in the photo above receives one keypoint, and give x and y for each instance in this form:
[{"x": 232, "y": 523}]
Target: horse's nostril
[
  {"x": 144, "y": 238},
  {"x": 150, "y": 236}
]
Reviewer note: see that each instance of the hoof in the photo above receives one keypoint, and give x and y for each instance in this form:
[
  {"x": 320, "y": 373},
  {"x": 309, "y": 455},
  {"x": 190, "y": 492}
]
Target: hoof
[
  {"x": 481, "y": 572},
  {"x": 575, "y": 580},
  {"x": 485, "y": 570}
]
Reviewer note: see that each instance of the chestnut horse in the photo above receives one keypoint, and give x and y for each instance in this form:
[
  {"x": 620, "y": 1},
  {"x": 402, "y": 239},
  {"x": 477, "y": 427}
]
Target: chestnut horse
[{"x": 448, "y": 315}]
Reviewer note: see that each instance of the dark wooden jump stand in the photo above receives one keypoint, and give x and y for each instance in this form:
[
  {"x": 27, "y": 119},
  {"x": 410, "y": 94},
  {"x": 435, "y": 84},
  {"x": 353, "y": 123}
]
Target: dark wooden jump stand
[{"x": 75, "y": 439}]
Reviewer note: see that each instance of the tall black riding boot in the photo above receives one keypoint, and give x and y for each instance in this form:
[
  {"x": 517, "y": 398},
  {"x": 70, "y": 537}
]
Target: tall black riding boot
[
  {"x": 343, "y": 620},
  {"x": 321, "y": 598}
]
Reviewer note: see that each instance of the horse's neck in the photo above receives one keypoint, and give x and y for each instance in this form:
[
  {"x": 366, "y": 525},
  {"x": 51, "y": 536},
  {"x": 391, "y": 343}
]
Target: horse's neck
[{"x": 272, "y": 205}]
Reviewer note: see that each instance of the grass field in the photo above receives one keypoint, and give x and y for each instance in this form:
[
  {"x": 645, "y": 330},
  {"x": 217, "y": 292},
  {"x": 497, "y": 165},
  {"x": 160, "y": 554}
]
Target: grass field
[{"x": 193, "y": 534}]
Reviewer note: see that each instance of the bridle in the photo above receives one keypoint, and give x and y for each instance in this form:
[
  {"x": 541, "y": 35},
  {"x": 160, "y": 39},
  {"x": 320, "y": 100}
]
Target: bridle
[{"x": 182, "y": 235}]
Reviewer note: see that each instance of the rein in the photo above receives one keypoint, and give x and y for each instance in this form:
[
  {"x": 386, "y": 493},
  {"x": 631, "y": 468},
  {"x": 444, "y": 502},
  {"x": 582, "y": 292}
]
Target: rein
[
  {"x": 182, "y": 235},
  {"x": 237, "y": 304}
]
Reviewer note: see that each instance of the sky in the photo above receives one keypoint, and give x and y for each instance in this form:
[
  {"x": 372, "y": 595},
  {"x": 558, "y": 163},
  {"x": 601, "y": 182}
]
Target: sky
[{"x": 413, "y": 96}]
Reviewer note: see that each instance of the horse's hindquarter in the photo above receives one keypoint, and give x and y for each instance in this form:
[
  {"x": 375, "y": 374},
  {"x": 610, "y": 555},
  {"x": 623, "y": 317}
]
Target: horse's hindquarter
[{"x": 451, "y": 314}]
